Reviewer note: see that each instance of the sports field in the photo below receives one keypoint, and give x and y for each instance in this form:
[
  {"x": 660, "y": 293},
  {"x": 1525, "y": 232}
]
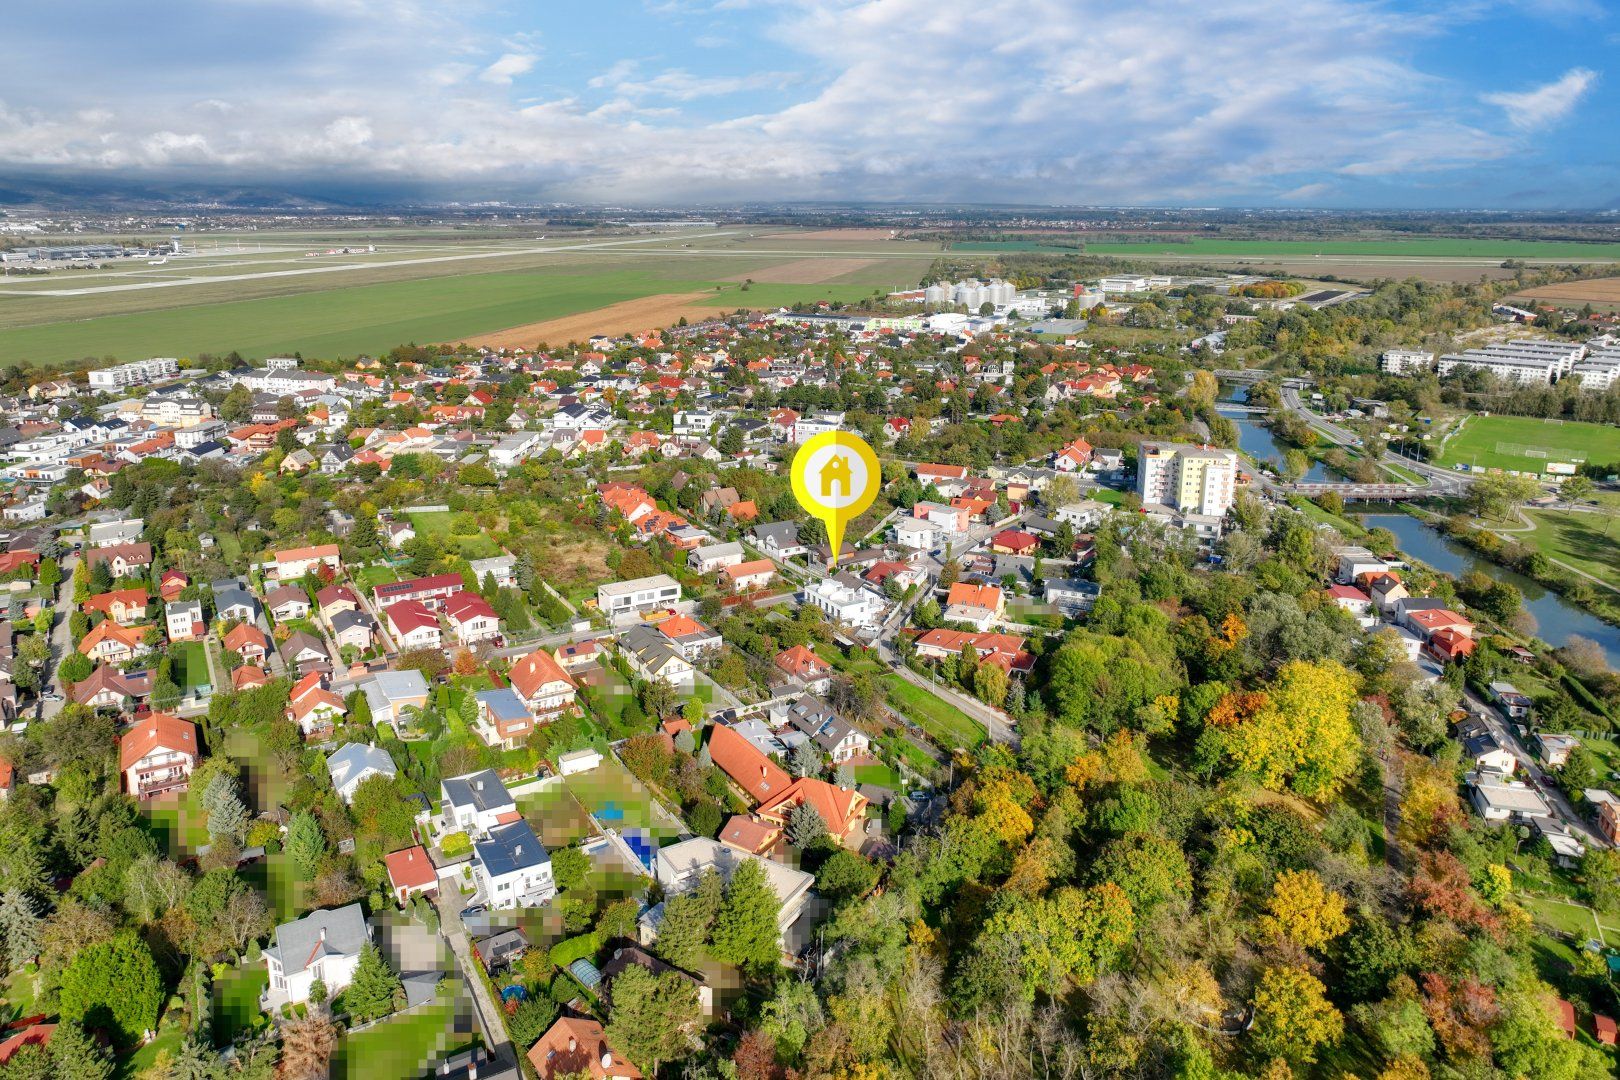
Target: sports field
[
  {"x": 275, "y": 297},
  {"x": 1527, "y": 444},
  {"x": 1421, "y": 248}
]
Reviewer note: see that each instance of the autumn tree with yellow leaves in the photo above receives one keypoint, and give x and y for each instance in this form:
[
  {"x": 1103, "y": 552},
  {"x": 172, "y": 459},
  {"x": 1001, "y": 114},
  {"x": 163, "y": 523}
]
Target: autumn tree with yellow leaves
[
  {"x": 1302, "y": 739},
  {"x": 1303, "y": 910}
]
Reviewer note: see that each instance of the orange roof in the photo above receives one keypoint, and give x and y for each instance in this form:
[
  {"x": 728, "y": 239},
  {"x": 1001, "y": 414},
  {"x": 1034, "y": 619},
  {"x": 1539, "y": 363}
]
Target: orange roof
[
  {"x": 802, "y": 662},
  {"x": 749, "y": 569},
  {"x": 130, "y": 637},
  {"x": 248, "y": 676},
  {"x": 982, "y": 596},
  {"x": 309, "y": 682},
  {"x": 319, "y": 551},
  {"x": 750, "y": 834},
  {"x": 575, "y": 1045},
  {"x": 245, "y": 634},
  {"x": 683, "y": 626},
  {"x": 536, "y": 670},
  {"x": 157, "y": 731},
  {"x": 840, "y": 808},
  {"x": 108, "y": 600},
  {"x": 741, "y": 760},
  {"x": 411, "y": 868},
  {"x": 743, "y": 511}
]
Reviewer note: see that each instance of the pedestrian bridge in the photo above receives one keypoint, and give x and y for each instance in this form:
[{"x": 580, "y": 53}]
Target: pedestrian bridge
[{"x": 1364, "y": 492}]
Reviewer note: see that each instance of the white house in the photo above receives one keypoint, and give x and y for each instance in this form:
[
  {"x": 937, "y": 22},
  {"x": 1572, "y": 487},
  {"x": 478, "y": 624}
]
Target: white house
[
  {"x": 844, "y": 600},
  {"x": 711, "y": 557},
  {"x": 620, "y": 597},
  {"x": 652, "y": 656},
  {"x": 156, "y": 756},
  {"x": 185, "y": 620},
  {"x": 354, "y": 763},
  {"x": 471, "y": 617},
  {"x": 542, "y": 684},
  {"x": 474, "y": 803},
  {"x": 413, "y": 625},
  {"x": 324, "y": 945},
  {"x": 513, "y": 868}
]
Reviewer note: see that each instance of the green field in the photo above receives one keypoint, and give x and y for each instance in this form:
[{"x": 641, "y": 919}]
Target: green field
[
  {"x": 1585, "y": 541},
  {"x": 404, "y": 1046},
  {"x": 473, "y": 545},
  {"x": 190, "y": 665},
  {"x": 436, "y": 286},
  {"x": 949, "y": 726},
  {"x": 236, "y": 1000},
  {"x": 1527, "y": 444},
  {"x": 1422, "y": 248}
]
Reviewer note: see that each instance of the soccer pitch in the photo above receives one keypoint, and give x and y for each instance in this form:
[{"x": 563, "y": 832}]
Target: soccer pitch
[{"x": 1528, "y": 444}]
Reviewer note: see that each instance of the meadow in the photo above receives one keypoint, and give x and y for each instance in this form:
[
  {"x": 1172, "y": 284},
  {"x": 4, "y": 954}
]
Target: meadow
[
  {"x": 1527, "y": 444},
  {"x": 1419, "y": 248}
]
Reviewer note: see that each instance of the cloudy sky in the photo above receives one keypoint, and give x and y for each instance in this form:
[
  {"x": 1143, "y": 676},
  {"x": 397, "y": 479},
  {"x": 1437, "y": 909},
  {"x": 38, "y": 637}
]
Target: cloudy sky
[{"x": 1423, "y": 103}]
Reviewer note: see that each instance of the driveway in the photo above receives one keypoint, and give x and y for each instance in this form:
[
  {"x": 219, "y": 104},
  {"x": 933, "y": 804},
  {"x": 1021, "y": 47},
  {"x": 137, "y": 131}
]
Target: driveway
[{"x": 1508, "y": 737}]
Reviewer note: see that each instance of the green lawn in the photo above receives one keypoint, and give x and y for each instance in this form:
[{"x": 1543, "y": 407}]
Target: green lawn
[
  {"x": 556, "y": 816},
  {"x": 236, "y": 1000},
  {"x": 405, "y": 1046},
  {"x": 618, "y": 799},
  {"x": 168, "y": 1039},
  {"x": 191, "y": 664},
  {"x": 1577, "y": 920},
  {"x": 1528, "y": 444},
  {"x": 173, "y": 822},
  {"x": 1585, "y": 541},
  {"x": 472, "y": 542},
  {"x": 369, "y": 577},
  {"x": 1419, "y": 248},
  {"x": 879, "y": 774},
  {"x": 948, "y": 725},
  {"x": 334, "y": 319}
]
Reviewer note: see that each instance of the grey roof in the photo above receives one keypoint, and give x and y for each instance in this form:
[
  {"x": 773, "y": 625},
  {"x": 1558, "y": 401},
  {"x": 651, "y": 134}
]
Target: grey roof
[
  {"x": 503, "y": 704},
  {"x": 511, "y": 848},
  {"x": 343, "y": 620},
  {"x": 1476, "y": 746},
  {"x": 649, "y": 646},
  {"x": 329, "y": 932},
  {"x": 785, "y": 533},
  {"x": 394, "y": 685},
  {"x": 352, "y": 759},
  {"x": 495, "y": 948},
  {"x": 481, "y": 790}
]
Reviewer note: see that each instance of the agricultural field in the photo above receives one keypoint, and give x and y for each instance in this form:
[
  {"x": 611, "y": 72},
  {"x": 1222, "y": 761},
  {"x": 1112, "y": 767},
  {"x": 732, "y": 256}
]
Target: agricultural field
[
  {"x": 1527, "y": 444},
  {"x": 1420, "y": 248},
  {"x": 1602, "y": 293},
  {"x": 431, "y": 288}
]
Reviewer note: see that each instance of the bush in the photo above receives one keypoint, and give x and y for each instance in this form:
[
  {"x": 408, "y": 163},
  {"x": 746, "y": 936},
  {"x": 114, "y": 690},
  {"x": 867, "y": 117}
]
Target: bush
[
  {"x": 454, "y": 845},
  {"x": 582, "y": 947}
]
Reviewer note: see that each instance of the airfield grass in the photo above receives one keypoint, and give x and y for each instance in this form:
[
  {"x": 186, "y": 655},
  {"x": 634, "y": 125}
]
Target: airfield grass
[
  {"x": 1501, "y": 442},
  {"x": 346, "y": 321},
  {"x": 1423, "y": 247}
]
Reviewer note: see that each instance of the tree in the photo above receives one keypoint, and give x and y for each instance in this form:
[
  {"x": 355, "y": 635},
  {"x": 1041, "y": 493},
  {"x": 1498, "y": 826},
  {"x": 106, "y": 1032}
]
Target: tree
[
  {"x": 195, "y": 1060},
  {"x": 1074, "y": 934},
  {"x": 845, "y": 875},
  {"x": 306, "y": 844},
  {"x": 652, "y": 1016},
  {"x": 1302, "y": 738},
  {"x": 745, "y": 927},
  {"x": 114, "y": 985},
  {"x": 805, "y": 825},
  {"x": 1303, "y": 910},
  {"x": 227, "y": 817},
  {"x": 688, "y": 922},
  {"x": 568, "y": 868},
  {"x": 375, "y": 990},
  {"x": 19, "y": 927},
  {"x": 74, "y": 668},
  {"x": 531, "y": 1018},
  {"x": 1148, "y": 868},
  {"x": 76, "y": 1055},
  {"x": 1495, "y": 496},
  {"x": 1292, "y": 1015},
  {"x": 306, "y": 1047},
  {"x": 1577, "y": 489}
]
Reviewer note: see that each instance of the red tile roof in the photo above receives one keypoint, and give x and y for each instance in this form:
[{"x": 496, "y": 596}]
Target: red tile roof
[
  {"x": 411, "y": 868},
  {"x": 741, "y": 760},
  {"x": 157, "y": 731}
]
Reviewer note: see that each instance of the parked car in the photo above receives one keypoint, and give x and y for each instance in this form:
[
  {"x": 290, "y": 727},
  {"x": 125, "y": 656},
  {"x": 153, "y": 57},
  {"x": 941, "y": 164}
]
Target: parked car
[{"x": 473, "y": 912}]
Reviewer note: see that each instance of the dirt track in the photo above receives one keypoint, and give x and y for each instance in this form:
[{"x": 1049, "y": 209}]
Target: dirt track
[
  {"x": 804, "y": 271},
  {"x": 625, "y": 317}
]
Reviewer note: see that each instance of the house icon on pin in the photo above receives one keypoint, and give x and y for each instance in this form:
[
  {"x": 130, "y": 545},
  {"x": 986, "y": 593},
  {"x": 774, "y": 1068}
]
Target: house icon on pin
[{"x": 836, "y": 471}]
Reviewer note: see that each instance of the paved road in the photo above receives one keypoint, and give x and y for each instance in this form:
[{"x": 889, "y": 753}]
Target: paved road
[
  {"x": 1509, "y": 739},
  {"x": 503, "y": 1057}
]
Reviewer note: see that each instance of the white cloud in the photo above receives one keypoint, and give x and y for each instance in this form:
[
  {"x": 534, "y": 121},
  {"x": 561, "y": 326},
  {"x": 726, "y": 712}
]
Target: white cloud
[
  {"x": 1532, "y": 110},
  {"x": 509, "y": 67},
  {"x": 1041, "y": 100}
]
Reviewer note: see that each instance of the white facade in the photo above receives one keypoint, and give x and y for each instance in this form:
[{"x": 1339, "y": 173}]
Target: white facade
[
  {"x": 1403, "y": 361},
  {"x": 1192, "y": 479},
  {"x": 134, "y": 373},
  {"x": 846, "y": 603},
  {"x": 619, "y": 597}
]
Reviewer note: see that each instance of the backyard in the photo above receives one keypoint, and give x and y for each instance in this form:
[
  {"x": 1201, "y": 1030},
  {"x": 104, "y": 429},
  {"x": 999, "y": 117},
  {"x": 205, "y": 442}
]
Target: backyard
[
  {"x": 619, "y": 801},
  {"x": 461, "y": 529},
  {"x": 556, "y": 816},
  {"x": 409, "y": 1044},
  {"x": 236, "y": 1000},
  {"x": 190, "y": 665},
  {"x": 949, "y": 726}
]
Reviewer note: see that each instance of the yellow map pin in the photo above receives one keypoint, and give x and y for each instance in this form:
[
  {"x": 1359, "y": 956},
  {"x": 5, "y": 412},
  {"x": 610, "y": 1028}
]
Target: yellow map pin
[{"x": 836, "y": 476}]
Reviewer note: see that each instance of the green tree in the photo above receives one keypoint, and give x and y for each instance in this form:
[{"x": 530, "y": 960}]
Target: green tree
[
  {"x": 375, "y": 990},
  {"x": 76, "y": 1055},
  {"x": 745, "y": 931},
  {"x": 19, "y": 927},
  {"x": 306, "y": 844},
  {"x": 568, "y": 868},
  {"x": 1148, "y": 868},
  {"x": 805, "y": 826},
  {"x": 1292, "y": 1015},
  {"x": 653, "y": 1016},
  {"x": 531, "y": 1019},
  {"x": 689, "y": 921},
  {"x": 114, "y": 985}
]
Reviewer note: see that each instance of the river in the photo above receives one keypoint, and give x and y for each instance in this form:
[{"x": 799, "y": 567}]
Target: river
[{"x": 1557, "y": 620}]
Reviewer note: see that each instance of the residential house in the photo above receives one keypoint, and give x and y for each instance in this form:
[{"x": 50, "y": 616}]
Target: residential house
[
  {"x": 679, "y": 868},
  {"x": 1487, "y": 753},
  {"x": 1004, "y": 650},
  {"x": 711, "y": 557},
  {"x": 843, "y": 809},
  {"x": 753, "y": 574},
  {"x": 126, "y": 607},
  {"x": 691, "y": 638},
  {"x": 472, "y": 619},
  {"x": 499, "y": 569},
  {"x": 411, "y": 872},
  {"x": 779, "y": 540},
  {"x": 749, "y": 768},
  {"x": 1015, "y": 542},
  {"x": 978, "y": 606},
  {"x": 324, "y": 946},
  {"x": 157, "y": 755},
  {"x": 642, "y": 594},
  {"x": 109, "y": 688},
  {"x": 652, "y": 657},
  {"x": 800, "y": 663},
  {"x": 304, "y": 652},
  {"x": 391, "y": 694},
  {"x": 512, "y": 867},
  {"x": 838, "y": 740},
  {"x": 248, "y": 642},
  {"x": 844, "y": 600},
  {"x": 1510, "y": 700},
  {"x": 412, "y": 625},
  {"x": 296, "y": 563},
  {"x": 1556, "y": 748},
  {"x": 234, "y": 603},
  {"x": 542, "y": 685},
  {"x": 109, "y": 643},
  {"x": 1499, "y": 800},
  {"x": 313, "y": 706},
  {"x": 475, "y": 803},
  {"x": 185, "y": 620},
  {"x": 1070, "y": 596},
  {"x": 575, "y": 1046},
  {"x": 503, "y": 719},
  {"x": 352, "y": 764},
  {"x": 431, "y": 592},
  {"x": 287, "y": 602},
  {"x": 336, "y": 598}
]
